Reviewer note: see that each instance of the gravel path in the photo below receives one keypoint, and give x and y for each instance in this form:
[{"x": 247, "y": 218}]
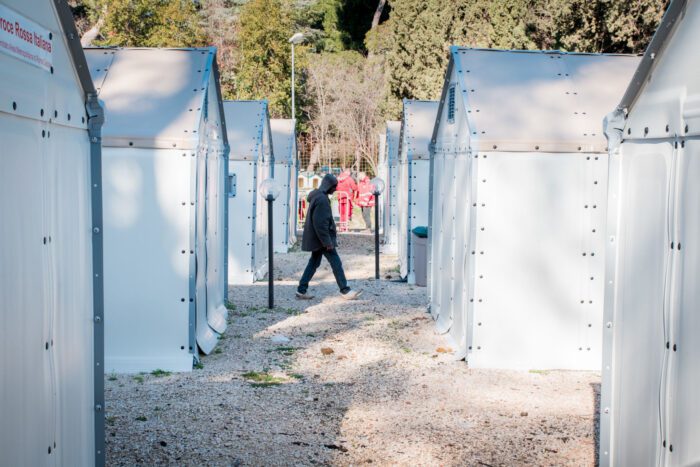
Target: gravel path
[{"x": 365, "y": 382}]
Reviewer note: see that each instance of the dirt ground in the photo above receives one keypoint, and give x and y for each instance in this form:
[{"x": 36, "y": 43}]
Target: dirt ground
[{"x": 330, "y": 382}]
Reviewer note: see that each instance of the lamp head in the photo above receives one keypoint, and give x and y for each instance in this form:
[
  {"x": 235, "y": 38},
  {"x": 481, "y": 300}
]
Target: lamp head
[
  {"x": 269, "y": 189},
  {"x": 379, "y": 185},
  {"x": 297, "y": 38}
]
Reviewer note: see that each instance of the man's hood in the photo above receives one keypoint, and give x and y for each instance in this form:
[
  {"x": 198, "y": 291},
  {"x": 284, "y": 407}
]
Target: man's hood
[{"x": 328, "y": 183}]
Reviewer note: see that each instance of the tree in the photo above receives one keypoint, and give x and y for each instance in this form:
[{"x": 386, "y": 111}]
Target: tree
[
  {"x": 345, "y": 92},
  {"x": 263, "y": 67},
  {"x": 142, "y": 23},
  {"x": 421, "y": 31},
  {"x": 222, "y": 26}
]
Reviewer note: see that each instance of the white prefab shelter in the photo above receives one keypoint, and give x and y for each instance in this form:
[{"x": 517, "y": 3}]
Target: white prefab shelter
[
  {"x": 519, "y": 176},
  {"x": 391, "y": 198},
  {"x": 414, "y": 177},
  {"x": 250, "y": 163},
  {"x": 284, "y": 146},
  {"x": 650, "y": 404},
  {"x": 164, "y": 151},
  {"x": 51, "y": 311}
]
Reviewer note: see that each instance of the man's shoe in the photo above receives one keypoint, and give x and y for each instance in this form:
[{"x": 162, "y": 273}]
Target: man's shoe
[
  {"x": 304, "y": 296},
  {"x": 351, "y": 294}
]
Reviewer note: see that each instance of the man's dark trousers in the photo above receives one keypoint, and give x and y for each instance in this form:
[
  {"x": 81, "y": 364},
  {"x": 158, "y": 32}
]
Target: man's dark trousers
[{"x": 315, "y": 261}]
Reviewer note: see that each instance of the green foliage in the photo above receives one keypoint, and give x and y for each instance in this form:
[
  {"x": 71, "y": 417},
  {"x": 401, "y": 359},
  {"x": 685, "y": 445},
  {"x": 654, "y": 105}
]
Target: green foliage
[
  {"x": 421, "y": 31},
  {"x": 264, "y": 64},
  {"x": 262, "y": 379},
  {"x": 149, "y": 23},
  {"x": 158, "y": 373},
  {"x": 343, "y": 23}
]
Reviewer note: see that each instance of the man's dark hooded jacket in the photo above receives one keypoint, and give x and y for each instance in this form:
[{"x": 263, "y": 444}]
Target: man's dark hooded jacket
[{"x": 319, "y": 227}]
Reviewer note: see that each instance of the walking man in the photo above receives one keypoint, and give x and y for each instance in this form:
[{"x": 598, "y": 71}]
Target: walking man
[
  {"x": 366, "y": 199},
  {"x": 320, "y": 238}
]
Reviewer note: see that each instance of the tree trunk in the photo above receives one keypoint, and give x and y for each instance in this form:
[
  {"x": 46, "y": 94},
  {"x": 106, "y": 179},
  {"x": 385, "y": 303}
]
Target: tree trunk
[
  {"x": 378, "y": 14},
  {"x": 315, "y": 157}
]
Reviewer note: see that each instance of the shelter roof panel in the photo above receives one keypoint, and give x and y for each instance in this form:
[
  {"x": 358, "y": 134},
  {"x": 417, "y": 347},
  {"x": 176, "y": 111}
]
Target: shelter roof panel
[
  {"x": 548, "y": 101},
  {"x": 283, "y": 139},
  {"x": 664, "y": 98},
  {"x": 417, "y": 128},
  {"x": 245, "y": 125},
  {"x": 50, "y": 92},
  {"x": 153, "y": 98}
]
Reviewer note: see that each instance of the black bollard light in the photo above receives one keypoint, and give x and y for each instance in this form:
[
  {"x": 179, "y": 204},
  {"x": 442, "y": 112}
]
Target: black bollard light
[
  {"x": 378, "y": 187},
  {"x": 270, "y": 191}
]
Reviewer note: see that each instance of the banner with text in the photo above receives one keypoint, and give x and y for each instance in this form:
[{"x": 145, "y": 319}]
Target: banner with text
[{"x": 24, "y": 39}]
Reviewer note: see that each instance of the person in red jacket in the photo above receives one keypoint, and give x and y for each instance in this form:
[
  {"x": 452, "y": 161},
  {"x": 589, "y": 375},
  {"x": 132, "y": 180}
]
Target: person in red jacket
[
  {"x": 366, "y": 199},
  {"x": 347, "y": 191}
]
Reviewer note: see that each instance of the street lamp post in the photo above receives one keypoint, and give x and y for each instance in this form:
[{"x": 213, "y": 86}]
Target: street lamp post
[
  {"x": 270, "y": 191},
  {"x": 297, "y": 38},
  {"x": 378, "y": 185}
]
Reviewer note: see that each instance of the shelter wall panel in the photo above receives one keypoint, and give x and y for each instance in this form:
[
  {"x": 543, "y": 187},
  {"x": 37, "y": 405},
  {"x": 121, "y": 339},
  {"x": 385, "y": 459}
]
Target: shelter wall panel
[
  {"x": 217, "y": 313},
  {"x": 403, "y": 209},
  {"x": 147, "y": 216},
  {"x": 206, "y": 337},
  {"x": 241, "y": 231},
  {"x": 534, "y": 301},
  {"x": 393, "y": 130},
  {"x": 71, "y": 251},
  {"x": 26, "y": 300},
  {"x": 281, "y": 207},
  {"x": 292, "y": 204},
  {"x": 445, "y": 285},
  {"x": 641, "y": 269},
  {"x": 260, "y": 242},
  {"x": 684, "y": 375},
  {"x": 463, "y": 284},
  {"x": 435, "y": 237},
  {"x": 418, "y": 186}
]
